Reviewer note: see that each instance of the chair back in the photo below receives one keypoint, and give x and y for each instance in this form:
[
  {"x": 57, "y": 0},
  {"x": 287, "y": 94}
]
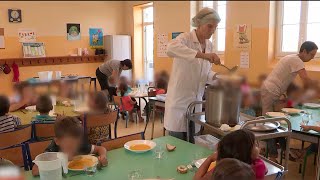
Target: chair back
[
  {"x": 97, "y": 120},
  {"x": 119, "y": 142},
  {"x": 34, "y": 149},
  {"x": 117, "y": 100},
  {"x": 43, "y": 130},
  {"x": 17, "y": 155},
  {"x": 15, "y": 137}
]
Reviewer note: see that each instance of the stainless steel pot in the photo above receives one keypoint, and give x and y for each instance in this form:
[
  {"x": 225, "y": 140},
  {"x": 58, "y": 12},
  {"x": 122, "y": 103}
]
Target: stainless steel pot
[{"x": 223, "y": 104}]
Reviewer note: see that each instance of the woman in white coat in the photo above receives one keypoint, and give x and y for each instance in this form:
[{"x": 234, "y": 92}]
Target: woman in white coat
[{"x": 193, "y": 56}]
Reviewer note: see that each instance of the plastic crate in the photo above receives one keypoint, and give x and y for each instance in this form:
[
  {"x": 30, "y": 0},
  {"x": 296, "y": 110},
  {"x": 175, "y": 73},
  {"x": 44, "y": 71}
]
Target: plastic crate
[{"x": 207, "y": 141}]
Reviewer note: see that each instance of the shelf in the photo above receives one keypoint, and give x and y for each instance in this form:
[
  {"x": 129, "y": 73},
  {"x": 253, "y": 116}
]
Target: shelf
[{"x": 58, "y": 60}]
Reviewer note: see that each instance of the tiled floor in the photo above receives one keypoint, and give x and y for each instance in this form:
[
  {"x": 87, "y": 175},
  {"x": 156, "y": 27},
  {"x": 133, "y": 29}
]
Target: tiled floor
[{"x": 293, "y": 166}]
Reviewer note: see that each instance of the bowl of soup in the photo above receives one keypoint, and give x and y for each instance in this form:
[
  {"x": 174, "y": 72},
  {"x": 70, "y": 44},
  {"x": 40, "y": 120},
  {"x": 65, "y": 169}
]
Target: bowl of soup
[
  {"x": 79, "y": 163},
  {"x": 139, "y": 146}
]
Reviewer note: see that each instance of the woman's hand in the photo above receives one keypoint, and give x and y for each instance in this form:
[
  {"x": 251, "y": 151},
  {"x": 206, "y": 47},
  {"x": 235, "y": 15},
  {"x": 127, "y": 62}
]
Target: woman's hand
[{"x": 211, "y": 57}]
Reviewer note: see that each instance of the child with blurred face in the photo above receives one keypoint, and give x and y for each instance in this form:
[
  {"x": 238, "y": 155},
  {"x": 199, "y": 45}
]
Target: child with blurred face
[{"x": 69, "y": 140}]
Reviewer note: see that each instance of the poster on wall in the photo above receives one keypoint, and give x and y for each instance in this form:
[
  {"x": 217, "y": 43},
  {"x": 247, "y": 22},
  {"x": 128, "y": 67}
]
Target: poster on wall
[
  {"x": 175, "y": 34},
  {"x": 96, "y": 37},
  {"x": 162, "y": 40},
  {"x": 242, "y": 37},
  {"x": 73, "y": 32},
  {"x": 31, "y": 50},
  {"x": 27, "y": 35},
  {"x": 2, "y": 45}
]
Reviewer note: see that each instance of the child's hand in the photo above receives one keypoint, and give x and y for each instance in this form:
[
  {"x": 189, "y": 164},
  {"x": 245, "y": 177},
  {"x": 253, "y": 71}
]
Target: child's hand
[
  {"x": 214, "y": 156},
  {"x": 305, "y": 127},
  {"x": 103, "y": 160}
]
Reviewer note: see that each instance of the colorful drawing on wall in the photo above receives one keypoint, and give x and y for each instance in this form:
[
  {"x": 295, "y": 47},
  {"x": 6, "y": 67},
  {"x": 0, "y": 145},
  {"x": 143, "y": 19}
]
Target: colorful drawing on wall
[
  {"x": 2, "y": 45},
  {"x": 73, "y": 32},
  {"x": 27, "y": 35},
  {"x": 242, "y": 37},
  {"x": 15, "y": 15},
  {"x": 175, "y": 34},
  {"x": 96, "y": 37}
]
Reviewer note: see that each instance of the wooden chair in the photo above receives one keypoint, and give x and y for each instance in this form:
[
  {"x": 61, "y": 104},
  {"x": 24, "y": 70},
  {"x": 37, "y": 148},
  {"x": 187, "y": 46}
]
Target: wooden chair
[
  {"x": 35, "y": 148},
  {"x": 42, "y": 130},
  {"x": 119, "y": 142},
  {"x": 118, "y": 102},
  {"x": 92, "y": 121},
  {"x": 15, "y": 137},
  {"x": 17, "y": 155}
]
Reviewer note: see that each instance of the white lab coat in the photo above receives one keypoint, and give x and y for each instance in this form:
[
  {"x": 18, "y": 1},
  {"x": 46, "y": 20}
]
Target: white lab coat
[{"x": 187, "y": 80}]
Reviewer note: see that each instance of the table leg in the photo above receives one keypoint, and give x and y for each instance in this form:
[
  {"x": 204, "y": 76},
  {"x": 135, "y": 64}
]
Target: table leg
[
  {"x": 153, "y": 115},
  {"x": 148, "y": 117},
  {"x": 188, "y": 130},
  {"x": 287, "y": 153},
  {"x": 95, "y": 84}
]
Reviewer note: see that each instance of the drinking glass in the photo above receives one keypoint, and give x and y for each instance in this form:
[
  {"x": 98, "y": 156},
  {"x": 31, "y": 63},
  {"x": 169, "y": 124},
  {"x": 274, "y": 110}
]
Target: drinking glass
[
  {"x": 158, "y": 152},
  {"x": 305, "y": 119},
  {"x": 135, "y": 175},
  {"x": 90, "y": 171}
]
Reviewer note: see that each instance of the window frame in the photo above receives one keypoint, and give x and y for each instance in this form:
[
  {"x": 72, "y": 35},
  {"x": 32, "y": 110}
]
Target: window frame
[
  {"x": 302, "y": 28},
  {"x": 143, "y": 25},
  {"x": 215, "y": 35}
]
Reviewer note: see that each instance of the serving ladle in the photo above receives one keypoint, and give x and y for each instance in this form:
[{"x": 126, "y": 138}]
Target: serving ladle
[{"x": 234, "y": 69}]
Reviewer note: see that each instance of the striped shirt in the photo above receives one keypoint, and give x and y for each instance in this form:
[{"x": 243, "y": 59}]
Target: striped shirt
[{"x": 9, "y": 123}]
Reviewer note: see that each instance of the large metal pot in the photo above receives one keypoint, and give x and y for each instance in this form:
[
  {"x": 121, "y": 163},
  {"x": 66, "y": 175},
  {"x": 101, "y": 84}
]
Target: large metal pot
[{"x": 223, "y": 104}]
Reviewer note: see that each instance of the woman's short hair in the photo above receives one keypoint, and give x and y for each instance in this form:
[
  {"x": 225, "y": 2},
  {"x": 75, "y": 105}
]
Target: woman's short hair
[
  {"x": 204, "y": 16},
  {"x": 230, "y": 169},
  {"x": 126, "y": 62}
]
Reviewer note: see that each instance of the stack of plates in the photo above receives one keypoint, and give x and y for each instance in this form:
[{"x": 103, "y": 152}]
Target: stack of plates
[
  {"x": 291, "y": 111},
  {"x": 276, "y": 114},
  {"x": 311, "y": 105}
]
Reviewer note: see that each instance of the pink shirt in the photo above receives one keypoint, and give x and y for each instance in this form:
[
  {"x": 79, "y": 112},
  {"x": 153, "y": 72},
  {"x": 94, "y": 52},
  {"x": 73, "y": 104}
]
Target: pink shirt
[
  {"x": 126, "y": 103},
  {"x": 259, "y": 168}
]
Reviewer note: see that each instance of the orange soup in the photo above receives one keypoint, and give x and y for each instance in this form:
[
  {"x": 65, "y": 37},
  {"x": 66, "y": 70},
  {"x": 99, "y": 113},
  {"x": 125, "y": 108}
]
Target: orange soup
[
  {"x": 81, "y": 163},
  {"x": 140, "y": 147}
]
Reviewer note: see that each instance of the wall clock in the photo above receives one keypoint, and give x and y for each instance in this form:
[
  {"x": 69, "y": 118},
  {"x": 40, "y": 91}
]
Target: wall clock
[{"x": 14, "y": 15}]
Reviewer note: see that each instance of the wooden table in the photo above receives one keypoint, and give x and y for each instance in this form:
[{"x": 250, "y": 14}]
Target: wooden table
[{"x": 122, "y": 161}]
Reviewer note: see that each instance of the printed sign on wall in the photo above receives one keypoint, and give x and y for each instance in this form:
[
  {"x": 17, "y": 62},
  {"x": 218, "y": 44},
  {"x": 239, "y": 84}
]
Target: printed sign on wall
[{"x": 162, "y": 45}]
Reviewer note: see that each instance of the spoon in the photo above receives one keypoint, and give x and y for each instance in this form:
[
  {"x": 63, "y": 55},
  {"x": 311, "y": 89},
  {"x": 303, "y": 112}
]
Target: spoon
[{"x": 235, "y": 68}]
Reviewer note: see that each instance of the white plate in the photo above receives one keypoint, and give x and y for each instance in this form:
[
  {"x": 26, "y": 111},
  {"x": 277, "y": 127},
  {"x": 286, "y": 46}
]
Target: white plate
[
  {"x": 311, "y": 105},
  {"x": 135, "y": 142},
  {"x": 276, "y": 114},
  {"x": 31, "y": 108},
  {"x": 291, "y": 110},
  {"x": 93, "y": 158},
  {"x": 81, "y": 109}
]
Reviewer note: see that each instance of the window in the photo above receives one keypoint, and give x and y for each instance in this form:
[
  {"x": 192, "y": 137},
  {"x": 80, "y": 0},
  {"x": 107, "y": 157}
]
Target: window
[
  {"x": 147, "y": 24},
  {"x": 219, "y": 37},
  {"x": 298, "y": 21}
]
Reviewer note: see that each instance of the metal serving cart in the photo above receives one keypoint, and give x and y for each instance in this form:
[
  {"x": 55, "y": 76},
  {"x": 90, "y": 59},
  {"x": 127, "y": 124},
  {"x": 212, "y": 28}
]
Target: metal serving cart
[{"x": 274, "y": 169}]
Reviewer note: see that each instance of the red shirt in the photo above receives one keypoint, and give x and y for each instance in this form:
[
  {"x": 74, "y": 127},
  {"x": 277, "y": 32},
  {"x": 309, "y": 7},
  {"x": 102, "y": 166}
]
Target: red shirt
[{"x": 126, "y": 102}]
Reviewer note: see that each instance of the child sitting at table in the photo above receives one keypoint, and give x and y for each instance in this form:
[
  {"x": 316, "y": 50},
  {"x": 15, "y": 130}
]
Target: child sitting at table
[
  {"x": 247, "y": 151},
  {"x": 24, "y": 96},
  {"x": 289, "y": 100},
  {"x": 98, "y": 105},
  {"x": 7, "y": 122},
  {"x": 128, "y": 103},
  {"x": 231, "y": 169},
  {"x": 69, "y": 140},
  {"x": 44, "y": 106}
]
